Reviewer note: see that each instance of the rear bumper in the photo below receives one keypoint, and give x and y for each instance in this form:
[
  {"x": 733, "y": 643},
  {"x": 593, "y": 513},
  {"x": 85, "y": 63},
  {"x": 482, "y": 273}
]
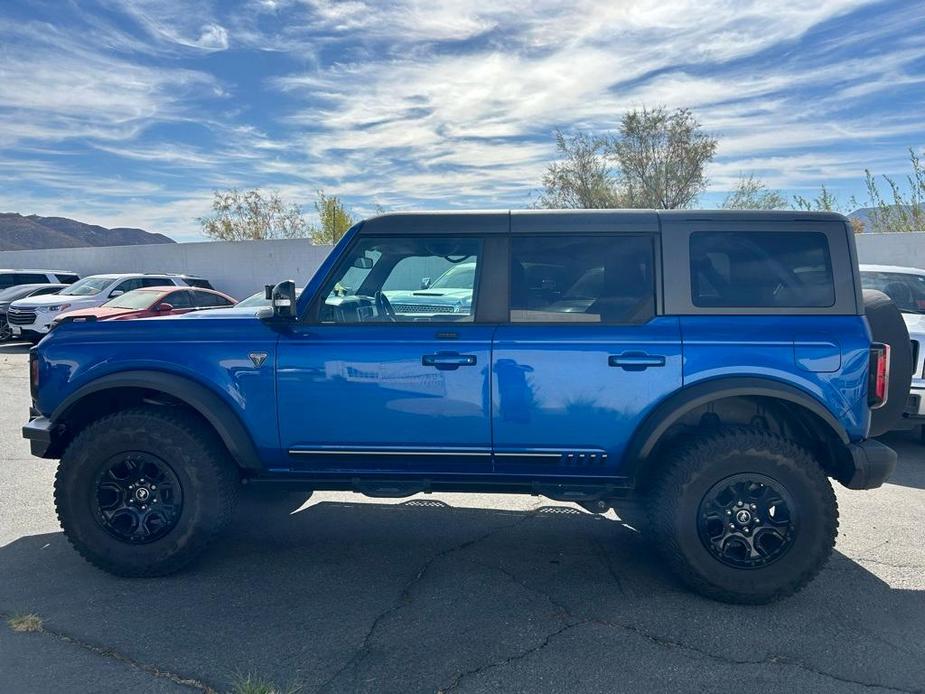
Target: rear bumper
[
  {"x": 39, "y": 432},
  {"x": 873, "y": 464}
]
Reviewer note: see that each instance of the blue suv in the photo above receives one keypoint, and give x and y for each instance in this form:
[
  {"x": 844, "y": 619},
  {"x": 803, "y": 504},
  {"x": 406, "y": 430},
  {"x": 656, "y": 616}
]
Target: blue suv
[{"x": 716, "y": 366}]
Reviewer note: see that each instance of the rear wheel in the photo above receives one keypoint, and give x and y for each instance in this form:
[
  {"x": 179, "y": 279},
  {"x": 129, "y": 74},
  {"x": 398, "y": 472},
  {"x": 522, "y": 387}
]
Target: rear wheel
[
  {"x": 143, "y": 492},
  {"x": 743, "y": 516}
]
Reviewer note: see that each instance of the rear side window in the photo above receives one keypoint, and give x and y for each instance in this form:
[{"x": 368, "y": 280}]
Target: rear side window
[
  {"x": 154, "y": 282},
  {"x": 31, "y": 278},
  {"x": 66, "y": 278},
  {"x": 774, "y": 269},
  {"x": 582, "y": 279},
  {"x": 208, "y": 300}
]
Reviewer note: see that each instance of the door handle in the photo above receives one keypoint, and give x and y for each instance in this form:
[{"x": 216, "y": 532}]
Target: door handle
[
  {"x": 446, "y": 361},
  {"x": 635, "y": 361}
]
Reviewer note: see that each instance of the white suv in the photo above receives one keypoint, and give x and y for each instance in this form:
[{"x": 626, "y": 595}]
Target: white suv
[
  {"x": 906, "y": 287},
  {"x": 32, "y": 318}
]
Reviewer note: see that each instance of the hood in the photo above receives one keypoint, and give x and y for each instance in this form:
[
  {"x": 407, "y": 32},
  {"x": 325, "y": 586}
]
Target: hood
[
  {"x": 229, "y": 312},
  {"x": 100, "y": 312},
  {"x": 55, "y": 300},
  {"x": 429, "y": 296}
]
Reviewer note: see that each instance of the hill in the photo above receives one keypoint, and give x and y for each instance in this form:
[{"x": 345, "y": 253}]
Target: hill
[{"x": 25, "y": 232}]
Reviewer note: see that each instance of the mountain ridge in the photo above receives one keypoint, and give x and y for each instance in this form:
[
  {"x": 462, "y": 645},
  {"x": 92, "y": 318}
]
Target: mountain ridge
[{"x": 20, "y": 232}]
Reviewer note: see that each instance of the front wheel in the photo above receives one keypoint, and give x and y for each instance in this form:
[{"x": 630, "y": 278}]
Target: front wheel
[
  {"x": 142, "y": 492},
  {"x": 743, "y": 516}
]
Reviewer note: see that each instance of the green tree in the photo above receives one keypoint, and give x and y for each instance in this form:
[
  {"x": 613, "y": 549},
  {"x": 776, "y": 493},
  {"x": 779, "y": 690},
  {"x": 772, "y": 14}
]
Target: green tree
[
  {"x": 661, "y": 156},
  {"x": 584, "y": 177},
  {"x": 752, "y": 193},
  {"x": 656, "y": 159},
  {"x": 251, "y": 215},
  {"x": 334, "y": 219},
  {"x": 906, "y": 210}
]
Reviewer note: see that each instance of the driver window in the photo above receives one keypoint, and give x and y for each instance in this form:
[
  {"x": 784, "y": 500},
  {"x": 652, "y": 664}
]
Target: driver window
[{"x": 404, "y": 280}]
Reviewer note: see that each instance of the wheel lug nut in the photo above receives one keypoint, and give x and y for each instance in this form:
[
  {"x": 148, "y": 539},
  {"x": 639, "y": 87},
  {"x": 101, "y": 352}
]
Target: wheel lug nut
[
  {"x": 728, "y": 512},
  {"x": 753, "y": 507},
  {"x": 732, "y": 526},
  {"x": 739, "y": 503}
]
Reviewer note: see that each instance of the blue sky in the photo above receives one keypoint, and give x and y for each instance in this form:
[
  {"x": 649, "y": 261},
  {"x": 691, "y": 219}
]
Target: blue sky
[{"x": 130, "y": 114}]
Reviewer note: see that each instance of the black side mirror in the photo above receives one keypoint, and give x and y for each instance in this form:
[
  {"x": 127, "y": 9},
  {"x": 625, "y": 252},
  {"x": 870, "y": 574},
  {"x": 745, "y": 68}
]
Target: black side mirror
[{"x": 282, "y": 298}]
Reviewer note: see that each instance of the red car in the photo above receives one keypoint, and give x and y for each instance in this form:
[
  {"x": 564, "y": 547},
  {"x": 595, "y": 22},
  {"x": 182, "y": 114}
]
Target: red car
[{"x": 152, "y": 301}]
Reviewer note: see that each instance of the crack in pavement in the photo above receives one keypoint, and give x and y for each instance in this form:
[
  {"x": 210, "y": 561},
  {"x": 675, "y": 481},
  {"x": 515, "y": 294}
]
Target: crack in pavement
[
  {"x": 112, "y": 654},
  {"x": 482, "y": 669},
  {"x": 573, "y": 621},
  {"x": 404, "y": 597}
]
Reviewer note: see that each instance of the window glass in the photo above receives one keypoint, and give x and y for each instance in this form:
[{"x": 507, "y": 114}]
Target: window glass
[
  {"x": 393, "y": 280},
  {"x": 88, "y": 286},
  {"x": 761, "y": 270},
  {"x": 128, "y": 285},
  {"x": 180, "y": 299},
  {"x": 31, "y": 278},
  {"x": 208, "y": 300},
  {"x": 906, "y": 290},
  {"x": 153, "y": 282},
  {"x": 133, "y": 300},
  {"x": 66, "y": 278},
  {"x": 582, "y": 279},
  {"x": 6, "y": 280}
]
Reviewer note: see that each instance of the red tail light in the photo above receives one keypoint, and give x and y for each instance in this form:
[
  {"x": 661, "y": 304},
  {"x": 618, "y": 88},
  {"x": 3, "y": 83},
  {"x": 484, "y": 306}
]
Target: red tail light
[
  {"x": 878, "y": 385},
  {"x": 33, "y": 372}
]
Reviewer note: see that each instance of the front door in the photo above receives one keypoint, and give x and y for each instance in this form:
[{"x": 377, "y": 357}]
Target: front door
[
  {"x": 584, "y": 357},
  {"x": 390, "y": 373}
]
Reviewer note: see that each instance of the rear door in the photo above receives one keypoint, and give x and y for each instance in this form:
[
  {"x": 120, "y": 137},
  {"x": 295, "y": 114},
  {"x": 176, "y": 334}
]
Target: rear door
[{"x": 585, "y": 355}]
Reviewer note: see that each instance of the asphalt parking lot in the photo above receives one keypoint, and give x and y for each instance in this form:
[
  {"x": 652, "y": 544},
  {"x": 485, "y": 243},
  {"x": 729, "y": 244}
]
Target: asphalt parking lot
[{"x": 454, "y": 592}]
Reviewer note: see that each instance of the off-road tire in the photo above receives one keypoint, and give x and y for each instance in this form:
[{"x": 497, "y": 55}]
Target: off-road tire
[
  {"x": 208, "y": 479},
  {"x": 686, "y": 475}
]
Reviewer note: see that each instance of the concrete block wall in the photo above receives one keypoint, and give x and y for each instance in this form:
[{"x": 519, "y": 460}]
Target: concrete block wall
[
  {"x": 239, "y": 268},
  {"x": 906, "y": 249}
]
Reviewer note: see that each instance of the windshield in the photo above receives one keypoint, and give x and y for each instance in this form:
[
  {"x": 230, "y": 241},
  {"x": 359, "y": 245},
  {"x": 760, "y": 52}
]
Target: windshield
[
  {"x": 907, "y": 291},
  {"x": 459, "y": 277},
  {"x": 137, "y": 299},
  {"x": 88, "y": 286}
]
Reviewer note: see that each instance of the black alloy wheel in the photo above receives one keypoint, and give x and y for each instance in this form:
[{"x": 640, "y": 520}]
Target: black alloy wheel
[{"x": 138, "y": 498}]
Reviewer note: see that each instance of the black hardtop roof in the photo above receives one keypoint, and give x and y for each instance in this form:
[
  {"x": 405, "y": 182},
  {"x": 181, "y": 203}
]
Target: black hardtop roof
[{"x": 520, "y": 221}]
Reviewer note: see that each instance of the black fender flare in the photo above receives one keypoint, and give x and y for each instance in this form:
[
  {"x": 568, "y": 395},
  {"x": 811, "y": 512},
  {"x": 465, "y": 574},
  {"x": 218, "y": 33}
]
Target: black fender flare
[
  {"x": 201, "y": 398},
  {"x": 687, "y": 399}
]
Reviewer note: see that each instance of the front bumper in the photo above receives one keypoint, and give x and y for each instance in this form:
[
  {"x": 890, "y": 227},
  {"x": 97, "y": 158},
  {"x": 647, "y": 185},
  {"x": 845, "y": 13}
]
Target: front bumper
[
  {"x": 40, "y": 434},
  {"x": 873, "y": 464}
]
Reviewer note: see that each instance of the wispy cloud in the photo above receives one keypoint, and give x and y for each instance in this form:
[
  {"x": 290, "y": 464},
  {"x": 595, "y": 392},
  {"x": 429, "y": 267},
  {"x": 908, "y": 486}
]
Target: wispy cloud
[{"x": 111, "y": 110}]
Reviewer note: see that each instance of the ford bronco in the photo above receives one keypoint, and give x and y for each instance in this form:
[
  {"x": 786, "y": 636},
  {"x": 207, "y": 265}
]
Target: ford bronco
[{"x": 716, "y": 366}]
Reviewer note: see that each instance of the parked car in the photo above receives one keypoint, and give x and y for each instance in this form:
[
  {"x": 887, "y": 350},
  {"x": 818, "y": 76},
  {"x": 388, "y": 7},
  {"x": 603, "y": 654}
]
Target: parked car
[
  {"x": 451, "y": 292},
  {"x": 721, "y": 373},
  {"x": 21, "y": 291},
  {"x": 906, "y": 287},
  {"x": 32, "y": 318},
  {"x": 12, "y": 278},
  {"x": 149, "y": 302}
]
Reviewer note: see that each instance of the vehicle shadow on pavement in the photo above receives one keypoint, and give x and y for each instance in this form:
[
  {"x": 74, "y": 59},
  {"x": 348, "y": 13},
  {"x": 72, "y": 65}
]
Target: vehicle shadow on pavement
[
  {"x": 15, "y": 347},
  {"x": 422, "y": 596},
  {"x": 911, "y": 471}
]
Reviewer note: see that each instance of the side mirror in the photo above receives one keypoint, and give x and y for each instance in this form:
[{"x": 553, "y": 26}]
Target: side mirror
[
  {"x": 115, "y": 292},
  {"x": 363, "y": 263},
  {"x": 164, "y": 307},
  {"x": 282, "y": 298},
  {"x": 425, "y": 282}
]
